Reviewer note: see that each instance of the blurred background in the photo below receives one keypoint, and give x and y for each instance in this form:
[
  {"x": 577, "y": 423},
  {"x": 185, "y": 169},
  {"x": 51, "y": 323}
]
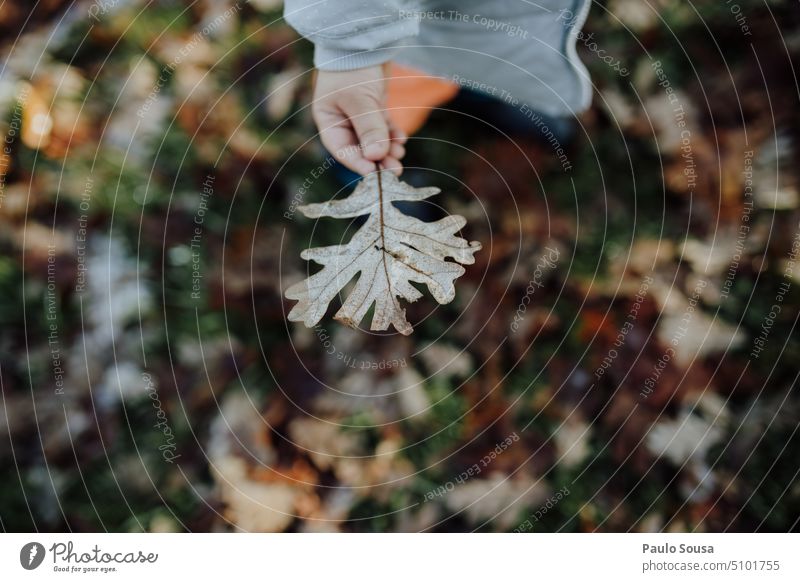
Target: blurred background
[{"x": 623, "y": 356}]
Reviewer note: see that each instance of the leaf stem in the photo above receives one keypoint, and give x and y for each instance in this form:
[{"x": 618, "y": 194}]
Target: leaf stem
[{"x": 383, "y": 239}]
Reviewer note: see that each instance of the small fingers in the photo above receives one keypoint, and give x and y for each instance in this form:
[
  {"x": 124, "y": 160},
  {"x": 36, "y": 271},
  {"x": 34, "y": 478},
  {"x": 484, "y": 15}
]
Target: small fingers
[
  {"x": 340, "y": 140},
  {"x": 351, "y": 158},
  {"x": 359, "y": 135},
  {"x": 373, "y": 134},
  {"x": 397, "y": 151},
  {"x": 397, "y": 135},
  {"x": 392, "y": 164}
]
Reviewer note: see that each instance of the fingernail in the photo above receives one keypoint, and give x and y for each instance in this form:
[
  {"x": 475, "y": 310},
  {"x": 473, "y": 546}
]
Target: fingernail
[
  {"x": 365, "y": 167},
  {"x": 375, "y": 151}
]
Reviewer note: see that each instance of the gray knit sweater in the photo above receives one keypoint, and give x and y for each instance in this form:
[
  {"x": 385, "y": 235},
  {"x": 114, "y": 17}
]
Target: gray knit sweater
[{"x": 520, "y": 51}]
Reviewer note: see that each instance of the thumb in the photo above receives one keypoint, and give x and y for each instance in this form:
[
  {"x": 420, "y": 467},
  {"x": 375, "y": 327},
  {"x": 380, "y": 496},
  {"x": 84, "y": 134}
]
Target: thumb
[{"x": 372, "y": 130}]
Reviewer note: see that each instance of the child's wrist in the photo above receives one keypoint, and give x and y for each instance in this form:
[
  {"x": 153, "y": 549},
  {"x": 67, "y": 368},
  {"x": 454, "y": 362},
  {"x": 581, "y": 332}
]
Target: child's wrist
[{"x": 335, "y": 59}]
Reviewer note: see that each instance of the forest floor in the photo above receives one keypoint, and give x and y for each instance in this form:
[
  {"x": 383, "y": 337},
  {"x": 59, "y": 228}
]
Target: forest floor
[{"x": 622, "y": 355}]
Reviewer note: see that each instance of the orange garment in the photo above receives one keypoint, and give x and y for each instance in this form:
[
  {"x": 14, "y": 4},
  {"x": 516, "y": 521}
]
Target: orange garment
[{"x": 412, "y": 96}]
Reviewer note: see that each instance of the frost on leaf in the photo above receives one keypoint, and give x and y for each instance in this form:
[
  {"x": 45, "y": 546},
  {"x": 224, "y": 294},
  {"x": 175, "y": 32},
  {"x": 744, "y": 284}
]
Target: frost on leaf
[{"x": 389, "y": 252}]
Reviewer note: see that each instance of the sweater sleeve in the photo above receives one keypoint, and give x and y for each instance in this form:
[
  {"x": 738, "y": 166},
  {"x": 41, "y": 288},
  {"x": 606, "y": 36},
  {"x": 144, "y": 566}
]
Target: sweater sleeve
[{"x": 352, "y": 34}]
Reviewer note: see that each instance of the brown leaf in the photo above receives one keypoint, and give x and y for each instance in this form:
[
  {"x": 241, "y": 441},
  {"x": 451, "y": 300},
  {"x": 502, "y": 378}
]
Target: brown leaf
[{"x": 389, "y": 251}]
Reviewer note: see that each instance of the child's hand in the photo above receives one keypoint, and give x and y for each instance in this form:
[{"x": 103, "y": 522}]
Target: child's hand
[{"x": 349, "y": 110}]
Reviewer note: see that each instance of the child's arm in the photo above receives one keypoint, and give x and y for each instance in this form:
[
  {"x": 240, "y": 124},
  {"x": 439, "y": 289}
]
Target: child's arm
[{"x": 352, "y": 39}]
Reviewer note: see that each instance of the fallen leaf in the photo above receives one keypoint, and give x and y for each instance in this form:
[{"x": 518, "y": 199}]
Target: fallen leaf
[
  {"x": 700, "y": 425},
  {"x": 498, "y": 499},
  {"x": 697, "y": 335},
  {"x": 687, "y": 440},
  {"x": 36, "y": 120},
  {"x": 712, "y": 257},
  {"x": 619, "y": 108},
  {"x": 447, "y": 361},
  {"x": 390, "y": 251},
  {"x": 572, "y": 442},
  {"x": 411, "y": 395},
  {"x": 660, "y": 112},
  {"x": 281, "y": 92},
  {"x": 774, "y": 189},
  {"x": 324, "y": 442},
  {"x": 266, "y": 5},
  {"x": 636, "y": 16},
  {"x": 253, "y": 506}
]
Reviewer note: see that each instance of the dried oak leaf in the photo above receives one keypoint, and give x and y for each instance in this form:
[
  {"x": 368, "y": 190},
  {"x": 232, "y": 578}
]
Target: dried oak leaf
[{"x": 389, "y": 251}]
